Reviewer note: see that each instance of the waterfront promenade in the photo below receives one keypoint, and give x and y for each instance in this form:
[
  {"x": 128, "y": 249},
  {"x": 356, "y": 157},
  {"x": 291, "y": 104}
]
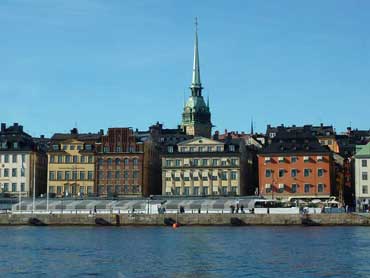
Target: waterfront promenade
[{"x": 214, "y": 219}]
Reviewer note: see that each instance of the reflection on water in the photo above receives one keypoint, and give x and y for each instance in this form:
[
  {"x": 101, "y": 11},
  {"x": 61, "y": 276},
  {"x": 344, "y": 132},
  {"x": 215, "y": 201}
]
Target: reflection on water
[{"x": 185, "y": 252}]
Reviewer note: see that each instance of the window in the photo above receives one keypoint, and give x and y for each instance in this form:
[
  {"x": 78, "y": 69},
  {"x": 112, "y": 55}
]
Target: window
[
  {"x": 51, "y": 175},
  {"x": 224, "y": 190},
  {"x": 88, "y": 147},
  {"x": 14, "y": 187},
  {"x": 59, "y": 190},
  {"x": 294, "y": 188},
  {"x": 170, "y": 149},
  {"x": 267, "y": 159},
  {"x": 205, "y": 191},
  {"x": 6, "y": 187},
  {"x": 177, "y": 162},
  {"x": 117, "y": 189},
  {"x": 320, "y": 172},
  {"x": 100, "y": 174},
  {"x": 55, "y": 147},
  {"x": 135, "y": 174},
  {"x": 195, "y": 162},
  {"x": 6, "y": 158},
  {"x": 118, "y": 149},
  {"x": 364, "y": 176},
  {"x": 82, "y": 175},
  {"x": 209, "y": 149},
  {"x": 306, "y": 172},
  {"x": 105, "y": 149},
  {"x": 320, "y": 188},
  {"x": 118, "y": 161},
  {"x": 281, "y": 159},
  {"x": 364, "y": 163},
  {"x": 232, "y": 148},
  {"x": 192, "y": 149},
  {"x": 14, "y": 158},
  {"x": 79, "y": 147},
  {"x": 183, "y": 149},
  {"x": 306, "y": 188},
  {"x": 126, "y": 161},
  {"x": 177, "y": 190},
  {"x": 268, "y": 173},
  {"x": 135, "y": 161},
  {"x": 23, "y": 172},
  {"x": 219, "y": 148},
  {"x": 204, "y": 178},
  {"x": 59, "y": 175},
  {"x": 214, "y": 178},
  {"x": 75, "y": 159},
  {"x": 72, "y": 147},
  {"x": 6, "y": 172},
  {"x": 223, "y": 162},
  {"x": 67, "y": 175},
  {"x": 319, "y": 158},
  {"x": 60, "y": 159},
  {"x": 23, "y": 187},
  {"x": 52, "y": 158},
  {"x": 23, "y": 158},
  {"x": 186, "y": 191},
  {"x": 15, "y": 145},
  {"x": 224, "y": 176},
  {"x": 83, "y": 159},
  {"x": 68, "y": 159},
  {"x": 365, "y": 189},
  {"x": 201, "y": 149},
  {"x": 234, "y": 162},
  {"x": 90, "y": 175},
  {"x": 281, "y": 187},
  {"x": 214, "y": 162},
  {"x": 204, "y": 162},
  {"x": 233, "y": 175},
  {"x": 196, "y": 190},
  {"x": 125, "y": 174},
  {"x": 168, "y": 163},
  {"x": 90, "y": 159},
  {"x": 110, "y": 161},
  {"x": 293, "y": 172},
  {"x": 268, "y": 188},
  {"x": 131, "y": 149},
  {"x": 65, "y": 147},
  {"x": 14, "y": 172},
  {"x": 109, "y": 174},
  {"x": 281, "y": 173},
  {"x": 74, "y": 175},
  {"x": 306, "y": 158}
]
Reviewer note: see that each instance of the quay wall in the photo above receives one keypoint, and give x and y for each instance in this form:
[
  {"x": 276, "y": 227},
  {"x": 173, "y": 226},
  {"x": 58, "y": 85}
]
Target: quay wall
[{"x": 187, "y": 219}]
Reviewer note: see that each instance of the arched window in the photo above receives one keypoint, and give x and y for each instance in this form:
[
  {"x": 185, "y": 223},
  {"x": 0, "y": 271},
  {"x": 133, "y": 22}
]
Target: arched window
[
  {"x": 118, "y": 161},
  {"x": 109, "y": 161},
  {"x": 135, "y": 161},
  {"x": 126, "y": 161}
]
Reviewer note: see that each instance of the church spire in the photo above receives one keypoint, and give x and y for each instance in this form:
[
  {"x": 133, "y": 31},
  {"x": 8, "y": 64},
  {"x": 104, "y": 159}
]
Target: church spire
[{"x": 196, "y": 86}]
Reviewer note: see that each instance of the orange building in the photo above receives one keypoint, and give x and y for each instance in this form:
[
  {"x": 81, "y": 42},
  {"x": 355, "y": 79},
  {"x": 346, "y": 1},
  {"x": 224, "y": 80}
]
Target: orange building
[{"x": 295, "y": 165}]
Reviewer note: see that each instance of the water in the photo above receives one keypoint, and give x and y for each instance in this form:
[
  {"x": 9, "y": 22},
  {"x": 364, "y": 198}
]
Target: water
[{"x": 184, "y": 252}]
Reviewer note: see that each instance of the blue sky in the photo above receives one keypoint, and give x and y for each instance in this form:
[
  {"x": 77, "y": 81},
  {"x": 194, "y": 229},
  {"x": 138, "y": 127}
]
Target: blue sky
[{"x": 112, "y": 63}]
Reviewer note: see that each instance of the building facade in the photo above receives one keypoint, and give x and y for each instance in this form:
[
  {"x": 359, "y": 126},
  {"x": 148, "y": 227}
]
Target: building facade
[
  {"x": 196, "y": 117},
  {"x": 203, "y": 167},
  {"x": 23, "y": 163},
  {"x": 295, "y": 165},
  {"x": 362, "y": 171},
  {"x": 120, "y": 164},
  {"x": 71, "y": 164}
]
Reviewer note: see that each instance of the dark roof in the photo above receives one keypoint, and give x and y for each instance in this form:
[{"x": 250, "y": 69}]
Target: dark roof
[
  {"x": 321, "y": 130},
  {"x": 14, "y": 138},
  {"x": 288, "y": 143},
  {"x": 78, "y": 136}
]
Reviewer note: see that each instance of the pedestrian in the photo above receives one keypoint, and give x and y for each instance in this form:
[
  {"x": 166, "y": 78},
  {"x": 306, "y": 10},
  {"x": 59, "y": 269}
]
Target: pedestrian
[
  {"x": 199, "y": 210},
  {"x": 237, "y": 207},
  {"x": 242, "y": 208},
  {"x": 94, "y": 209}
]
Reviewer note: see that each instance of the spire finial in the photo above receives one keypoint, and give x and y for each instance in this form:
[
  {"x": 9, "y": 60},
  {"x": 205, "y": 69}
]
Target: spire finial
[{"x": 196, "y": 24}]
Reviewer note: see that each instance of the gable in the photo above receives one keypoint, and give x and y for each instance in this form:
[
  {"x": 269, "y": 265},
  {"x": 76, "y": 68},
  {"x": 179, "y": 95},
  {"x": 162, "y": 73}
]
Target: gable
[{"x": 200, "y": 141}]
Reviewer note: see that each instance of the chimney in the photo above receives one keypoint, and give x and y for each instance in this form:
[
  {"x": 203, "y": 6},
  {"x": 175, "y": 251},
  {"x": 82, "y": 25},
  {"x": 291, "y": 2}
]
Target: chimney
[
  {"x": 216, "y": 135},
  {"x": 74, "y": 131},
  {"x": 3, "y": 126},
  {"x": 21, "y": 128},
  {"x": 15, "y": 124}
]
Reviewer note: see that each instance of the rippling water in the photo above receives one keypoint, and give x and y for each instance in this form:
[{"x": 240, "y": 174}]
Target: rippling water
[{"x": 184, "y": 252}]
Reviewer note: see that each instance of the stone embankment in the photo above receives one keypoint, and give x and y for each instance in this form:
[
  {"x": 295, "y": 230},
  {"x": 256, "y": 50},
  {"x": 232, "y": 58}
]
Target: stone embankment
[{"x": 185, "y": 219}]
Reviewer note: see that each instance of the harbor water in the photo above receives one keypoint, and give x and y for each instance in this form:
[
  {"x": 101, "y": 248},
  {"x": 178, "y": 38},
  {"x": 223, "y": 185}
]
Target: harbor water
[{"x": 289, "y": 251}]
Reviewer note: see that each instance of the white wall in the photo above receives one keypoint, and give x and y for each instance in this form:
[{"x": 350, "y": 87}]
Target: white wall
[{"x": 359, "y": 182}]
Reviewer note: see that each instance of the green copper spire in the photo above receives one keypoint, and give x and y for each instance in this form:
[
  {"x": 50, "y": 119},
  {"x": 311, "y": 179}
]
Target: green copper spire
[{"x": 196, "y": 86}]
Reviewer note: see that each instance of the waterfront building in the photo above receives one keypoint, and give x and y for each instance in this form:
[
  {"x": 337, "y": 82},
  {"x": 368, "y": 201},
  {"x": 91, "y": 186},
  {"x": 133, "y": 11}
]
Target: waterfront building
[
  {"x": 155, "y": 141},
  {"x": 71, "y": 164},
  {"x": 295, "y": 164},
  {"x": 205, "y": 167},
  {"x": 362, "y": 171},
  {"x": 23, "y": 163},
  {"x": 196, "y": 117},
  {"x": 120, "y": 164}
]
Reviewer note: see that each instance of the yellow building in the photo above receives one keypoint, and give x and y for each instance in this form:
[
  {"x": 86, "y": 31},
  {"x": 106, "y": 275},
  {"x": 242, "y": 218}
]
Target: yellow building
[
  {"x": 202, "y": 166},
  {"x": 71, "y": 164}
]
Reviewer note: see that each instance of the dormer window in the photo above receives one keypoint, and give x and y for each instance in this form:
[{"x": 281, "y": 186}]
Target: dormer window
[
  {"x": 15, "y": 145},
  {"x": 170, "y": 149},
  {"x": 55, "y": 147}
]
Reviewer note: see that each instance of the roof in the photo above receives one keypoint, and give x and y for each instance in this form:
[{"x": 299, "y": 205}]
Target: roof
[{"x": 364, "y": 151}]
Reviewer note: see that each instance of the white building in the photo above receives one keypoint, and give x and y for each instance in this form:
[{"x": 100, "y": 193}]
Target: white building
[
  {"x": 22, "y": 163},
  {"x": 362, "y": 170}
]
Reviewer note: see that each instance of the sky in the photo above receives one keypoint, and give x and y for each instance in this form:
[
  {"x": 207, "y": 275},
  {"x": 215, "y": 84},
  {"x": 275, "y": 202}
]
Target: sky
[{"x": 95, "y": 64}]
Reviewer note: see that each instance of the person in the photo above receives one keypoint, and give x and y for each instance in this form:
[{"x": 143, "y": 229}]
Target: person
[
  {"x": 232, "y": 208},
  {"x": 242, "y": 208},
  {"x": 198, "y": 210},
  {"x": 95, "y": 209},
  {"x": 237, "y": 207}
]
